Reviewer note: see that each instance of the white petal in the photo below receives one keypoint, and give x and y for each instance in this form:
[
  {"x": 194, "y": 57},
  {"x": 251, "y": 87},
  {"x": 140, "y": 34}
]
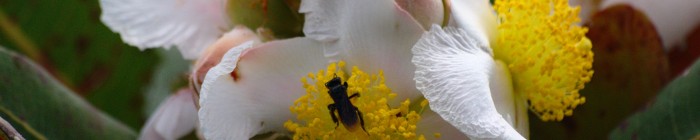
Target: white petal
[
  {"x": 475, "y": 14},
  {"x": 321, "y": 19},
  {"x": 266, "y": 84},
  {"x": 674, "y": 19},
  {"x": 371, "y": 34},
  {"x": 174, "y": 118},
  {"x": 513, "y": 108},
  {"x": 213, "y": 54},
  {"x": 431, "y": 123},
  {"x": 191, "y": 25},
  {"x": 426, "y": 12},
  {"x": 452, "y": 71}
]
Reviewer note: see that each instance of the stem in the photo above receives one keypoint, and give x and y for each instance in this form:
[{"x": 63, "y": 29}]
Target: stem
[
  {"x": 9, "y": 131},
  {"x": 26, "y": 126}
]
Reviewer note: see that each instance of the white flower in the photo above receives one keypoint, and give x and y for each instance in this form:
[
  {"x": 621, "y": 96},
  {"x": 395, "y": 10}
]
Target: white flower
[
  {"x": 175, "y": 117},
  {"x": 458, "y": 76},
  {"x": 539, "y": 56},
  {"x": 251, "y": 90},
  {"x": 190, "y": 25}
]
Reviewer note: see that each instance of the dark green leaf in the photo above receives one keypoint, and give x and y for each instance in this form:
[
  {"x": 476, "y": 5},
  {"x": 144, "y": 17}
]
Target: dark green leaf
[
  {"x": 43, "y": 107},
  {"x": 168, "y": 77},
  {"x": 280, "y": 16},
  {"x": 674, "y": 114},
  {"x": 83, "y": 54}
]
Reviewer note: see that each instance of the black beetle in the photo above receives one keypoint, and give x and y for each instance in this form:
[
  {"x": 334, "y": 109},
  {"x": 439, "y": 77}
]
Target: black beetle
[{"x": 348, "y": 113}]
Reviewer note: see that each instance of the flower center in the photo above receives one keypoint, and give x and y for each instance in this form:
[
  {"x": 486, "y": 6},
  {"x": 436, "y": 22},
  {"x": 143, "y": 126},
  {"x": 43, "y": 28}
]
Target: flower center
[
  {"x": 380, "y": 120},
  {"x": 547, "y": 53}
]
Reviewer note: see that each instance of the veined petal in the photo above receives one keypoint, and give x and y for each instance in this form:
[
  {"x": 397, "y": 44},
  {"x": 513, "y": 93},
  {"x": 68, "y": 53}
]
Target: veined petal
[
  {"x": 250, "y": 92},
  {"x": 477, "y": 15},
  {"x": 191, "y": 25},
  {"x": 452, "y": 71},
  {"x": 174, "y": 118},
  {"x": 674, "y": 19},
  {"x": 432, "y": 123},
  {"x": 375, "y": 35}
]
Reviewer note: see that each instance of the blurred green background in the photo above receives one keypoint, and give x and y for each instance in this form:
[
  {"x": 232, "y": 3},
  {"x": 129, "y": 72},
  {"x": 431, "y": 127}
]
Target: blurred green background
[{"x": 68, "y": 39}]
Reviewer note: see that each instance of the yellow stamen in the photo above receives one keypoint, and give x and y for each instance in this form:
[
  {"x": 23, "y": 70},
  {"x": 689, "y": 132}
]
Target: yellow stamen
[
  {"x": 548, "y": 54},
  {"x": 381, "y": 120}
]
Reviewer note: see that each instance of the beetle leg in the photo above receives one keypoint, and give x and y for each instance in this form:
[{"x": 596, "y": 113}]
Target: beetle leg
[
  {"x": 332, "y": 109},
  {"x": 362, "y": 121},
  {"x": 354, "y": 95}
]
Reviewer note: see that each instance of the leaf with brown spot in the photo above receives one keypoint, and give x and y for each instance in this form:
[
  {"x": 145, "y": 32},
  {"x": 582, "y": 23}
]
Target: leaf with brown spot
[
  {"x": 39, "y": 106},
  {"x": 674, "y": 114}
]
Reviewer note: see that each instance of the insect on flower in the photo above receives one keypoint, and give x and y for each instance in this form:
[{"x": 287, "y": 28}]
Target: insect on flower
[{"x": 347, "y": 112}]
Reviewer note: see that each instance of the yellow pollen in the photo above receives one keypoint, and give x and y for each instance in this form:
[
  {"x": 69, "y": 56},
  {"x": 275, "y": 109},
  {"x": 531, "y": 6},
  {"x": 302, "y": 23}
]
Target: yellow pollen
[
  {"x": 548, "y": 55},
  {"x": 313, "y": 119}
]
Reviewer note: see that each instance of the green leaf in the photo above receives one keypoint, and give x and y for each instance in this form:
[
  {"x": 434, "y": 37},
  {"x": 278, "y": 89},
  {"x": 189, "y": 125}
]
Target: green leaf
[
  {"x": 40, "y": 107},
  {"x": 675, "y": 114},
  {"x": 279, "y": 16},
  {"x": 83, "y": 54}
]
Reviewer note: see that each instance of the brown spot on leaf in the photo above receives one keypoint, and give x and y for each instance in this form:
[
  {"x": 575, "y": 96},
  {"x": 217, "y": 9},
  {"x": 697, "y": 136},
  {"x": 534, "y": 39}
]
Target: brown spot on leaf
[
  {"x": 94, "y": 79},
  {"x": 82, "y": 43}
]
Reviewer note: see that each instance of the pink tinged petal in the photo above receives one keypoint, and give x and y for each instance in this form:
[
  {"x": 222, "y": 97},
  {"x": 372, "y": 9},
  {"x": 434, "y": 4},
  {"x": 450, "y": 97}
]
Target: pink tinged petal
[
  {"x": 266, "y": 84},
  {"x": 213, "y": 54},
  {"x": 191, "y": 25},
  {"x": 453, "y": 69},
  {"x": 476, "y": 14},
  {"x": 426, "y": 12},
  {"x": 371, "y": 34},
  {"x": 674, "y": 19},
  {"x": 174, "y": 118}
]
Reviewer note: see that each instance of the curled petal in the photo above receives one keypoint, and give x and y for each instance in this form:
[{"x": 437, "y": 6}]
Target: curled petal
[
  {"x": 191, "y": 25},
  {"x": 453, "y": 70},
  {"x": 426, "y": 12},
  {"x": 213, "y": 54},
  {"x": 251, "y": 90}
]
